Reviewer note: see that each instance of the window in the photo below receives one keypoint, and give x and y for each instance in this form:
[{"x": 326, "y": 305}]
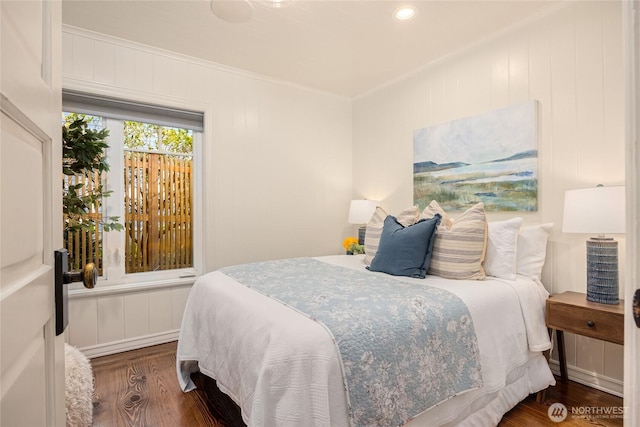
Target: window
[
  {"x": 152, "y": 180},
  {"x": 158, "y": 197},
  {"x": 82, "y": 240}
]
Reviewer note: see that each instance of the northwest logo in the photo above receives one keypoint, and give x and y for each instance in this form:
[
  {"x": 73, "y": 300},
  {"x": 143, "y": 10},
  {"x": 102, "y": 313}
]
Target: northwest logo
[{"x": 557, "y": 412}]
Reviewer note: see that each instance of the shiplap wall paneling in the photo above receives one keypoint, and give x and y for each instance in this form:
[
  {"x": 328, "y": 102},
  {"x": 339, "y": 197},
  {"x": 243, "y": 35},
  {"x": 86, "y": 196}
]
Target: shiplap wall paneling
[
  {"x": 570, "y": 61},
  {"x": 518, "y": 60},
  {"x": 614, "y": 110},
  {"x": 276, "y": 165},
  {"x": 564, "y": 142}
]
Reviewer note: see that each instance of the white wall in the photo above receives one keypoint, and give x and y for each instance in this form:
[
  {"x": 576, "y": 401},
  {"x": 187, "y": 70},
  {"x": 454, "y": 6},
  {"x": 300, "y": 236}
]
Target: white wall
[
  {"x": 570, "y": 61},
  {"x": 276, "y": 172}
]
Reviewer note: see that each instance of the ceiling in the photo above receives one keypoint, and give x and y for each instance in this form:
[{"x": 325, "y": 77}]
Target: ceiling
[{"x": 343, "y": 47}]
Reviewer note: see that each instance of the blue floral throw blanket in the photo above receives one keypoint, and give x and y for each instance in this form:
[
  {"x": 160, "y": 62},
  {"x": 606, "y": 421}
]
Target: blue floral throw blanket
[{"x": 405, "y": 347}]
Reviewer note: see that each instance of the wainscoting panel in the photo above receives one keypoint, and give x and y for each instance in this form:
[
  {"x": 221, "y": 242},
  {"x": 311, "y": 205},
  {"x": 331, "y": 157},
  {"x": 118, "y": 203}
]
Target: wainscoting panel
[
  {"x": 125, "y": 76},
  {"x": 83, "y": 323},
  {"x": 613, "y": 352},
  {"x": 121, "y": 320},
  {"x": 159, "y": 305},
  {"x": 111, "y": 319},
  {"x": 179, "y": 296},
  {"x": 588, "y": 364},
  {"x": 105, "y": 69},
  {"x": 136, "y": 314},
  {"x": 143, "y": 71}
]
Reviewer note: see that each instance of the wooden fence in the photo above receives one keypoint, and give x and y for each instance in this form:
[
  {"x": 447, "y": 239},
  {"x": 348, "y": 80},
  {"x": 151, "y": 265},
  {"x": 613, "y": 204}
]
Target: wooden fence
[
  {"x": 158, "y": 199},
  {"x": 158, "y": 211},
  {"x": 85, "y": 246}
]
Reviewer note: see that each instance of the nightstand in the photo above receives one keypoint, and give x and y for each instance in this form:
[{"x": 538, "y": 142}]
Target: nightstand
[{"x": 571, "y": 312}]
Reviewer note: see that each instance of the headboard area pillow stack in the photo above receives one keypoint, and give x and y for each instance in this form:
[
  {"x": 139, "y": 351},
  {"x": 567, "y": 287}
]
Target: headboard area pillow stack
[
  {"x": 407, "y": 218},
  {"x": 467, "y": 247},
  {"x": 405, "y": 251}
]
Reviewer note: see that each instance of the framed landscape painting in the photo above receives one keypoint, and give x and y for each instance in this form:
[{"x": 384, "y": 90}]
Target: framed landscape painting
[{"x": 490, "y": 158}]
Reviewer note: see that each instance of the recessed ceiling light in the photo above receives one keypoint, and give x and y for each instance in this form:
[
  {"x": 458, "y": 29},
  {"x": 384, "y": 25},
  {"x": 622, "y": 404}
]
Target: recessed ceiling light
[
  {"x": 232, "y": 11},
  {"x": 277, "y": 4},
  {"x": 404, "y": 13}
]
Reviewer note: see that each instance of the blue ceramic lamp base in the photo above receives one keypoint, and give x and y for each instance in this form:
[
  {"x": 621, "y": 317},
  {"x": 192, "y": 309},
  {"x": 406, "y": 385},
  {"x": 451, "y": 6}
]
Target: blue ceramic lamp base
[
  {"x": 361, "y": 233},
  {"x": 602, "y": 270}
]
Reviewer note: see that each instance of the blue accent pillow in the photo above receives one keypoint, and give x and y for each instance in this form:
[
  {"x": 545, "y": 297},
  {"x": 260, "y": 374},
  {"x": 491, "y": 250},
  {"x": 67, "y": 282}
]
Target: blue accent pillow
[{"x": 405, "y": 251}]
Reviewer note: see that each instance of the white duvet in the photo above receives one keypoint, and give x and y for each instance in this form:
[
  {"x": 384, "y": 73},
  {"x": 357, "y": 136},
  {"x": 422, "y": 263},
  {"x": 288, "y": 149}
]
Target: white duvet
[{"x": 283, "y": 369}]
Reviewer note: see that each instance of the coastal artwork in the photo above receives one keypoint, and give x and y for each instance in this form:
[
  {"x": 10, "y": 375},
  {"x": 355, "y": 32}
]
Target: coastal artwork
[{"x": 490, "y": 158}]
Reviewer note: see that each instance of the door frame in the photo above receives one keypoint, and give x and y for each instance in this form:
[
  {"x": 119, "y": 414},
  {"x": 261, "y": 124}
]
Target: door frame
[{"x": 631, "y": 43}]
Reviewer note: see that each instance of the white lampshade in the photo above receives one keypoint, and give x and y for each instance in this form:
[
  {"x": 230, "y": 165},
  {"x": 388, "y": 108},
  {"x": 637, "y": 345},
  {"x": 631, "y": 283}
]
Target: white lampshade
[
  {"x": 361, "y": 211},
  {"x": 597, "y": 210}
]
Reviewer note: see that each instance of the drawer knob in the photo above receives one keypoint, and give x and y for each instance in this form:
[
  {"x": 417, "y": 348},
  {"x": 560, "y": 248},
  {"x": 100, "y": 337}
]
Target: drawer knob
[{"x": 591, "y": 323}]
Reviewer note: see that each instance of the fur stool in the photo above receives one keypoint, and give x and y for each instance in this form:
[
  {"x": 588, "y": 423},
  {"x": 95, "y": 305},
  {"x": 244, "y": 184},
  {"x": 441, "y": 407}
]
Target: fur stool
[{"x": 78, "y": 388}]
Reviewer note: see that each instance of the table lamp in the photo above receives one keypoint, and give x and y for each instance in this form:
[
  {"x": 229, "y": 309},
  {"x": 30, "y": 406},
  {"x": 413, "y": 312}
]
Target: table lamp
[
  {"x": 360, "y": 212},
  {"x": 599, "y": 210}
]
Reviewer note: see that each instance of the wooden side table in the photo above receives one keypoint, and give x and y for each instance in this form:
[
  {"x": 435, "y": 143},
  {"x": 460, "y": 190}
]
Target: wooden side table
[{"x": 571, "y": 312}]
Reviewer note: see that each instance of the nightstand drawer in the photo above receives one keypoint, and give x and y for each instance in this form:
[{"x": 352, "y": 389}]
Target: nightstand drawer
[
  {"x": 578, "y": 316},
  {"x": 599, "y": 325}
]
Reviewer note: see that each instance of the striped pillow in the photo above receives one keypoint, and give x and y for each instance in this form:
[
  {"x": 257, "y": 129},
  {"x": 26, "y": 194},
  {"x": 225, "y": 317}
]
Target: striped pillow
[
  {"x": 373, "y": 233},
  {"x": 459, "y": 250},
  {"x": 407, "y": 218},
  {"x": 434, "y": 208}
]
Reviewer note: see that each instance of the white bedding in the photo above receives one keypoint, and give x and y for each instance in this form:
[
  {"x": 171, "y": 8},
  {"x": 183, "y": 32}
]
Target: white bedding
[{"x": 282, "y": 368}]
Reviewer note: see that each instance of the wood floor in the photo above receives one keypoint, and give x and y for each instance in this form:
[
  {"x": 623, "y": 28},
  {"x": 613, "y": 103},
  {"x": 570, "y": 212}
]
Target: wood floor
[{"x": 139, "y": 388}]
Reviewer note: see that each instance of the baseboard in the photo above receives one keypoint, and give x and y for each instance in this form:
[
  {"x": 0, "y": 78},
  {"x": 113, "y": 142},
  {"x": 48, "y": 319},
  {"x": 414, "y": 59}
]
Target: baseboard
[
  {"x": 129, "y": 344},
  {"x": 590, "y": 379}
]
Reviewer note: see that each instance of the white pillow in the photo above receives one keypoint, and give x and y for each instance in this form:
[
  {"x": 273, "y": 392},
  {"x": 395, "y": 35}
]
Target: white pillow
[
  {"x": 532, "y": 249},
  {"x": 500, "y": 260}
]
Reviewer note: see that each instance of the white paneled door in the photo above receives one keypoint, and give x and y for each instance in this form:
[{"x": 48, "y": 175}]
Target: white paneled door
[
  {"x": 631, "y": 21},
  {"x": 31, "y": 355}
]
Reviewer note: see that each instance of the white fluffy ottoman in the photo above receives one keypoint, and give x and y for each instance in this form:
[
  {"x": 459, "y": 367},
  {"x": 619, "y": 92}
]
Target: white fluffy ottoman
[{"x": 78, "y": 388}]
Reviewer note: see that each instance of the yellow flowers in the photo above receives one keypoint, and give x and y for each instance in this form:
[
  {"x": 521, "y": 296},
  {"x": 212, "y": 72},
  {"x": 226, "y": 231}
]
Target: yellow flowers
[
  {"x": 352, "y": 247},
  {"x": 349, "y": 241}
]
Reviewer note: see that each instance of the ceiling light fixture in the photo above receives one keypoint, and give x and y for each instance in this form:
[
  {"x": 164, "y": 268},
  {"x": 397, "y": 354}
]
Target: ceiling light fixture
[
  {"x": 235, "y": 11},
  {"x": 404, "y": 13},
  {"x": 278, "y": 4}
]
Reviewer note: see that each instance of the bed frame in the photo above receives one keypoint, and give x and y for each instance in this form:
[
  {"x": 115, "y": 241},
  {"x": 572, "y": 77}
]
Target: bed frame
[{"x": 221, "y": 406}]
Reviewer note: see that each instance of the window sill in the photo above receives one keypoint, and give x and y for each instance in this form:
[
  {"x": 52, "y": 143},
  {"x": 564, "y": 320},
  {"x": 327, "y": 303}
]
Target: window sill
[{"x": 108, "y": 290}]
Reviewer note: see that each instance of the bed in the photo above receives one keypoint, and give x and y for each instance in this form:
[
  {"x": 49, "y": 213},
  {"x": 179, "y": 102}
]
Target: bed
[{"x": 291, "y": 343}]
